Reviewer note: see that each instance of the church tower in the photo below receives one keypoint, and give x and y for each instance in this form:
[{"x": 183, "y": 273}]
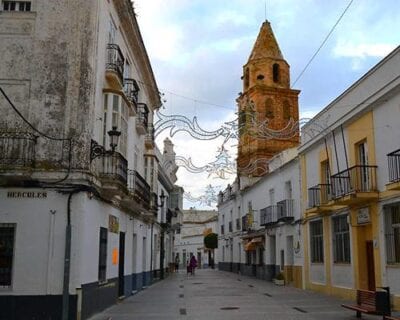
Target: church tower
[{"x": 266, "y": 99}]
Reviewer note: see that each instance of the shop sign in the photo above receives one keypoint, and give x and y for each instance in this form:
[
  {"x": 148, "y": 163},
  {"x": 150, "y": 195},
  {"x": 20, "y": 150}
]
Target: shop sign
[
  {"x": 27, "y": 194},
  {"x": 113, "y": 224}
]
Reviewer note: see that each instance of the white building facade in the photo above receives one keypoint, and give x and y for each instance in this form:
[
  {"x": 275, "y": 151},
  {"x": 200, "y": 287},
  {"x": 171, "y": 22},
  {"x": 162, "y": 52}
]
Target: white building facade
[
  {"x": 259, "y": 226},
  {"x": 78, "y": 209}
]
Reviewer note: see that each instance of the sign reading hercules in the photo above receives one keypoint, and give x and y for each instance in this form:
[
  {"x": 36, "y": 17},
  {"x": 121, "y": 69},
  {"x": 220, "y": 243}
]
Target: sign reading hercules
[{"x": 26, "y": 194}]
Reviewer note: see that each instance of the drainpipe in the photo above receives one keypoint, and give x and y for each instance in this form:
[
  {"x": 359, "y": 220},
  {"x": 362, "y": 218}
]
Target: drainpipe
[
  {"x": 67, "y": 256},
  {"x": 151, "y": 253}
]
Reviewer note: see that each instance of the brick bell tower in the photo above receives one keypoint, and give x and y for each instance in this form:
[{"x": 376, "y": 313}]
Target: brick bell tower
[{"x": 266, "y": 95}]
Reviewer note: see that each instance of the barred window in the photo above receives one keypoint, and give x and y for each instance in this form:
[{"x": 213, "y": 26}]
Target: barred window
[
  {"x": 16, "y": 5},
  {"x": 392, "y": 233},
  {"x": 103, "y": 254},
  {"x": 317, "y": 241},
  {"x": 7, "y": 235},
  {"x": 341, "y": 239}
]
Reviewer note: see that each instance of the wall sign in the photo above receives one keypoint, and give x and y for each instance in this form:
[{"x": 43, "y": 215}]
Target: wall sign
[
  {"x": 113, "y": 224},
  {"x": 27, "y": 194},
  {"x": 363, "y": 216}
]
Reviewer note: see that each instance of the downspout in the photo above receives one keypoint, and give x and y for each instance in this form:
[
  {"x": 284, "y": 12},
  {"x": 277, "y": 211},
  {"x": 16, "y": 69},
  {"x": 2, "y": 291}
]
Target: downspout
[{"x": 151, "y": 253}]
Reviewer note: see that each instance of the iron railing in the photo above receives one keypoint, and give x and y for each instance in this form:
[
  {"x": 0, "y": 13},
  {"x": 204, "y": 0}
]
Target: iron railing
[
  {"x": 131, "y": 90},
  {"x": 113, "y": 165},
  {"x": 115, "y": 60},
  {"x": 268, "y": 215},
  {"x": 17, "y": 149},
  {"x": 139, "y": 188},
  {"x": 359, "y": 178},
  {"x": 142, "y": 117},
  {"x": 394, "y": 166},
  {"x": 319, "y": 194},
  {"x": 285, "y": 210}
]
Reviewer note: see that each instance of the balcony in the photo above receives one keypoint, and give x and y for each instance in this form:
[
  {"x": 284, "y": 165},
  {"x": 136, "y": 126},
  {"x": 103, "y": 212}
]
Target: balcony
[
  {"x": 394, "y": 170},
  {"x": 112, "y": 168},
  {"x": 268, "y": 215},
  {"x": 230, "y": 226},
  {"x": 139, "y": 188},
  {"x": 319, "y": 197},
  {"x": 149, "y": 141},
  {"x": 355, "y": 185},
  {"x": 131, "y": 90},
  {"x": 142, "y": 118},
  {"x": 114, "y": 65},
  {"x": 285, "y": 210},
  {"x": 17, "y": 150}
]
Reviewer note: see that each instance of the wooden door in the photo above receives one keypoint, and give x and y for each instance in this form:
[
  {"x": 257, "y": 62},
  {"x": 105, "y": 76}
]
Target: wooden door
[{"x": 370, "y": 265}]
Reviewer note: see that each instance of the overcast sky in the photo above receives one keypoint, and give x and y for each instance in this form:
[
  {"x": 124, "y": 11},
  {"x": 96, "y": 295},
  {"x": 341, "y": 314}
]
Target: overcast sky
[{"x": 197, "y": 49}]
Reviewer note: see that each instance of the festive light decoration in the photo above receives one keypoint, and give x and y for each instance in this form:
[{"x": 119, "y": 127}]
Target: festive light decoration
[{"x": 209, "y": 198}]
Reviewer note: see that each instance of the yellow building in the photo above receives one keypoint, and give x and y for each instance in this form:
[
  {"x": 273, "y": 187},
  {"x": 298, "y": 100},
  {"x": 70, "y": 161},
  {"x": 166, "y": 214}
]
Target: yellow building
[{"x": 350, "y": 173}]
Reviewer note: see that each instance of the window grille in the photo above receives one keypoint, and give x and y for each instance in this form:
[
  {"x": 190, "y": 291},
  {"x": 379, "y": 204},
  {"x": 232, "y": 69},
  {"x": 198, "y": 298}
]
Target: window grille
[
  {"x": 341, "y": 239},
  {"x": 103, "y": 254},
  {"x": 317, "y": 241},
  {"x": 392, "y": 233}
]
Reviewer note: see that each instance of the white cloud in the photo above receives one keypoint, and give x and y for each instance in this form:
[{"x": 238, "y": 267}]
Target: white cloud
[{"x": 362, "y": 50}]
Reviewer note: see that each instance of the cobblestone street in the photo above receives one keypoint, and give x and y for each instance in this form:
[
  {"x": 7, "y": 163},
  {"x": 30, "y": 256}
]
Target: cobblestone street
[{"x": 212, "y": 294}]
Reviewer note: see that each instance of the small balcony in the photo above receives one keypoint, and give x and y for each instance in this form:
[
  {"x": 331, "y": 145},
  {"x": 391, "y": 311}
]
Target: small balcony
[
  {"x": 142, "y": 118},
  {"x": 355, "y": 185},
  {"x": 131, "y": 90},
  {"x": 394, "y": 170},
  {"x": 114, "y": 65},
  {"x": 112, "y": 168},
  {"x": 139, "y": 189},
  {"x": 149, "y": 140},
  {"x": 17, "y": 150},
  {"x": 268, "y": 215},
  {"x": 285, "y": 210},
  {"x": 319, "y": 197}
]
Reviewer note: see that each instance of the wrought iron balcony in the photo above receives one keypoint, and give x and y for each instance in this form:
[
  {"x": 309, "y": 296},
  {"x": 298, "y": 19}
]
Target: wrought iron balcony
[
  {"x": 394, "y": 166},
  {"x": 115, "y": 60},
  {"x": 285, "y": 210},
  {"x": 139, "y": 188},
  {"x": 268, "y": 215},
  {"x": 131, "y": 90},
  {"x": 17, "y": 149},
  {"x": 142, "y": 118},
  {"x": 359, "y": 178},
  {"x": 319, "y": 195},
  {"x": 112, "y": 167}
]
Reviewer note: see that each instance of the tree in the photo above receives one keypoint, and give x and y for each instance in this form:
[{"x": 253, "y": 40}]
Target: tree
[{"x": 211, "y": 243}]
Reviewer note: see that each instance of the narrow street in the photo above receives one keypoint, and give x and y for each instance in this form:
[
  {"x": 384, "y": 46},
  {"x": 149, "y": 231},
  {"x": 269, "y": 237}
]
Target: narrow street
[{"x": 213, "y": 294}]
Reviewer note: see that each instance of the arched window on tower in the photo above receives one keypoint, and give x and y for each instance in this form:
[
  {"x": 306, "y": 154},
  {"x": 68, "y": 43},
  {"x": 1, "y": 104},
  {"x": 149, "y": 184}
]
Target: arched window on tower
[
  {"x": 275, "y": 72},
  {"x": 246, "y": 78},
  {"x": 269, "y": 108},
  {"x": 286, "y": 110}
]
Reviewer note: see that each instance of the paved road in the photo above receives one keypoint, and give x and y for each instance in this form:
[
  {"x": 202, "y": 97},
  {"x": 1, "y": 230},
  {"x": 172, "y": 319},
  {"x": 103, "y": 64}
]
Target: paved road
[{"x": 218, "y": 295}]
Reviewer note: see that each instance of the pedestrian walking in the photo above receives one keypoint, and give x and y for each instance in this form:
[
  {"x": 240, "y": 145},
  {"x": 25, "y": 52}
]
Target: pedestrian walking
[{"x": 193, "y": 264}]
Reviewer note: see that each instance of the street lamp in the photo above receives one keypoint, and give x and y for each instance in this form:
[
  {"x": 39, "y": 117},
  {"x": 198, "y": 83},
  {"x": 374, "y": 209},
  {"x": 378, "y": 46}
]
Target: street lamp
[
  {"x": 97, "y": 150},
  {"x": 163, "y": 227}
]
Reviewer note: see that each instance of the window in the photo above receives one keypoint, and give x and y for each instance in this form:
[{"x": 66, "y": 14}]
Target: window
[
  {"x": 286, "y": 110},
  {"x": 16, "y": 5},
  {"x": 341, "y": 239},
  {"x": 7, "y": 235},
  {"x": 116, "y": 114},
  {"x": 103, "y": 254},
  {"x": 112, "y": 30},
  {"x": 275, "y": 72},
  {"x": 392, "y": 233},
  {"x": 317, "y": 241}
]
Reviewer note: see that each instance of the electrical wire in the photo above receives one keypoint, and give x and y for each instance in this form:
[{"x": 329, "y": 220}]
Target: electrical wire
[{"x": 323, "y": 43}]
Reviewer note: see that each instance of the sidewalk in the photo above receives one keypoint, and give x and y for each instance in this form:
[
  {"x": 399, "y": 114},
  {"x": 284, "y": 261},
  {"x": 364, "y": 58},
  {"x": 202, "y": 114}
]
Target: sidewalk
[{"x": 213, "y": 294}]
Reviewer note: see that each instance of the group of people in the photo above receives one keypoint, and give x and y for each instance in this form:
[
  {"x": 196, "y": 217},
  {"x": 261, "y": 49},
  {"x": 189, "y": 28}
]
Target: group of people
[{"x": 191, "y": 264}]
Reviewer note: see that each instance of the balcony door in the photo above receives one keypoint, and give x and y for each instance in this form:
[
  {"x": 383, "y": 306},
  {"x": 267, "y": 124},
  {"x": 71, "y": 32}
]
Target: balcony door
[{"x": 362, "y": 172}]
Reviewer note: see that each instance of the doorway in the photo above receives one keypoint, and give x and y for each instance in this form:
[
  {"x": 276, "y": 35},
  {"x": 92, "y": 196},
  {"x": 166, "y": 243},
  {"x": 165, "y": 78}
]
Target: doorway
[
  {"x": 121, "y": 264},
  {"x": 370, "y": 265}
]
